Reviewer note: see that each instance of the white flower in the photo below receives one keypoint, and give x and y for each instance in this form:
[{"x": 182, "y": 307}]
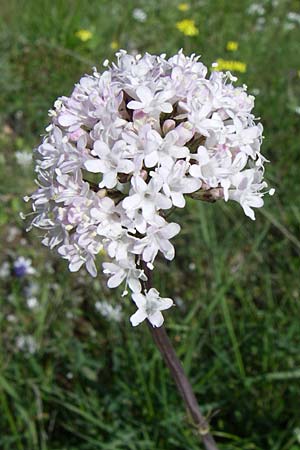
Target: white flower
[
  {"x": 124, "y": 270},
  {"x": 110, "y": 162},
  {"x": 150, "y": 102},
  {"x": 244, "y": 138},
  {"x": 150, "y": 306},
  {"x": 175, "y": 183},
  {"x": 247, "y": 190},
  {"x": 217, "y": 169},
  {"x": 146, "y": 197},
  {"x": 23, "y": 158},
  {"x": 203, "y": 119},
  {"x": 139, "y": 15},
  {"x": 129, "y": 144},
  {"x": 163, "y": 151},
  {"x": 77, "y": 256},
  {"x": 157, "y": 238},
  {"x": 109, "y": 311},
  {"x": 32, "y": 302}
]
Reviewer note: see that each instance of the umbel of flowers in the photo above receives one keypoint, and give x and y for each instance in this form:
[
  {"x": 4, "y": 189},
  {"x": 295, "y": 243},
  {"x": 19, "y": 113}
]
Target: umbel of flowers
[{"x": 128, "y": 145}]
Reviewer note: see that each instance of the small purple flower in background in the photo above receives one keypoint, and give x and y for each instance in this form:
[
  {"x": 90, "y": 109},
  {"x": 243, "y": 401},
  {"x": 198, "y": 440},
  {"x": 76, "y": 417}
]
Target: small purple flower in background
[{"x": 23, "y": 266}]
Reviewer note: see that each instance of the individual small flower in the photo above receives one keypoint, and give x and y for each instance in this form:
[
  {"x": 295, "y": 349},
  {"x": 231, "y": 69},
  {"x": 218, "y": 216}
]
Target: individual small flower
[
  {"x": 77, "y": 256},
  {"x": 23, "y": 266},
  {"x": 150, "y": 306},
  {"x": 175, "y": 183},
  {"x": 187, "y": 27},
  {"x": 124, "y": 270},
  {"x": 84, "y": 35},
  {"x": 163, "y": 151},
  {"x": 150, "y": 102},
  {"x": 157, "y": 239},
  {"x": 146, "y": 197},
  {"x": 232, "y": 46},
  {"x": 246, "y": 189},
  {"x": 139, "y": 14},
  {"x": 183, "y": 7},
  {"x": 109, "y": 311},
  {"x": 110, "y": 162}
]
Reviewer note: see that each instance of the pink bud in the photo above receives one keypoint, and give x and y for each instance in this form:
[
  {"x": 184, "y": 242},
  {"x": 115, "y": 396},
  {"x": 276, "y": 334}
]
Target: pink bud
[
  {"x": 144, "y": 174},
  {"x": 184, "y": 133},
  {"x": 75, "y": 135},
  {"x": 168, "y": 125},
  {"x": 138, "y": 114}
]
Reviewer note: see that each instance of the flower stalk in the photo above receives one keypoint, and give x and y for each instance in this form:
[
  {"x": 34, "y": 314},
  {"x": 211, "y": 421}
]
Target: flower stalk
[{"x": 164, "y": 345}]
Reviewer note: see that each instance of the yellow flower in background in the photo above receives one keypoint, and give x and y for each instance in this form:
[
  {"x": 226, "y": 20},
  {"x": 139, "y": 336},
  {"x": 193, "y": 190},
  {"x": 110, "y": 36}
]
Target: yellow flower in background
[
  {"x": 84, "y": 35},
  {"x": 183, "y": 7},
  {"x": 114, "y": 45},
  {"x": 232, "y": 66},
  {"x": 232, "y": 46},
  {"x": 298, "y": 73},
  {"x": 187, "y": 27}
]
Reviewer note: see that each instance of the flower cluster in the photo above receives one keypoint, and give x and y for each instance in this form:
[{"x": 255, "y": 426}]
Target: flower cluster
[{"x": 129, "y": 145}]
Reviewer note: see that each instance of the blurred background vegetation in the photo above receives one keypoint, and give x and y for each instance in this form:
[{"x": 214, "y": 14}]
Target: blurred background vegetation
[{"x": 74, "y": 375}]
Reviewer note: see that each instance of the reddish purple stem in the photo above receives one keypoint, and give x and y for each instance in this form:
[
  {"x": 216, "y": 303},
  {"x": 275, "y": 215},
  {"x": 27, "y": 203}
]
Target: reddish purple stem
[{"x": 184, "y": 387}]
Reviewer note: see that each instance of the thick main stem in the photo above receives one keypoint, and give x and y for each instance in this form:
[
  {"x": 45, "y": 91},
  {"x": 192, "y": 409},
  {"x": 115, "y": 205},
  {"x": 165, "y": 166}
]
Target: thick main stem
[{"x": 184, "y": 387}]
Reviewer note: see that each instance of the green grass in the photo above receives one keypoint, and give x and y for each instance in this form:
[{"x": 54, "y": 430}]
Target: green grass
[{"x": 96, "y": 384}]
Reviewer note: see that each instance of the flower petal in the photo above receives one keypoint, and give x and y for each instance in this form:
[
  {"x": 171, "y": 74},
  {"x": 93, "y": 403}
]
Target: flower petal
[
  {"x": 139, "y": 300},
  {"x": 138, "y": 317},
  {"x": 156, "y": 319},
  {"x": 116, "y": 279},
  {"x": 95, "y": 165},
  {"x": 132, "y": 202}
]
